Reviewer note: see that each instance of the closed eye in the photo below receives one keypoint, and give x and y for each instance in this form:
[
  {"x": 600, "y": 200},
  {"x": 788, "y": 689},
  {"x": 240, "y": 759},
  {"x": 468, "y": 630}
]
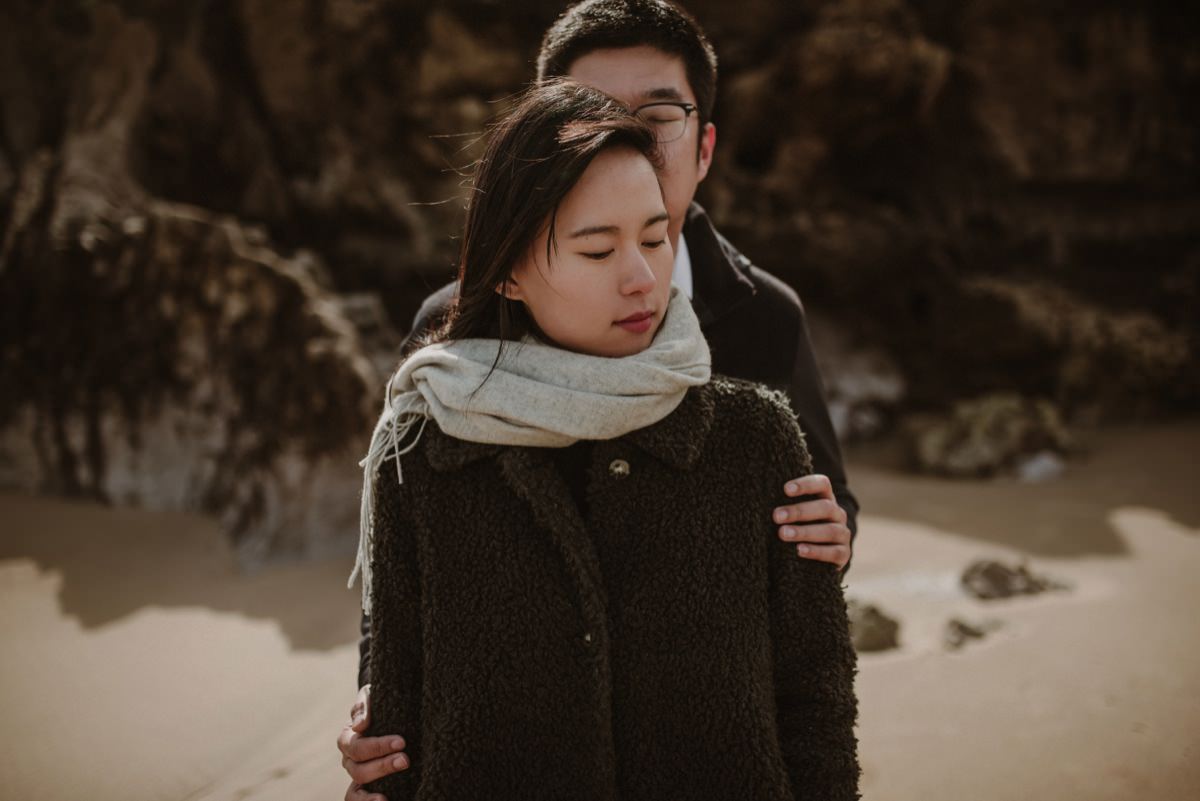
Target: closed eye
[
  {"x": 655, "y": 244},
  {"x": 597, "y": 256}
]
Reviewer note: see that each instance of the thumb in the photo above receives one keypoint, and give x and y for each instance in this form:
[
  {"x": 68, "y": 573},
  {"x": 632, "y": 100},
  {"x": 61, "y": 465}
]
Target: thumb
[{"x": 360, "y": 714}]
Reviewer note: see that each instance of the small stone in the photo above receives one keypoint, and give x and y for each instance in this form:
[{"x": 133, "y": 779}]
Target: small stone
[
  {"x": 871, "y": 629},
  {"x": 1041, "y": 466},
  {"x": 959, "y": 632},
  {"x": 134, "y": 225},
  {"x": 988, "y": 579}
]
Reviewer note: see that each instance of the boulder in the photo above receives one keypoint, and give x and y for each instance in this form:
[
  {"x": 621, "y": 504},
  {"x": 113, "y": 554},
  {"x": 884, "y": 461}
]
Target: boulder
[
  {"x": 863, "y": 385},
  {"x": 159, "y": 354},
  {"x": 175, "y": 365},
  {"x": 986, "y": 436}
]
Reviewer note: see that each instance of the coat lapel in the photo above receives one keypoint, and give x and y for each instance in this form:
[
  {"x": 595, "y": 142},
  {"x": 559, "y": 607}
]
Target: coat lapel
[{"x": 532, "y": 475}]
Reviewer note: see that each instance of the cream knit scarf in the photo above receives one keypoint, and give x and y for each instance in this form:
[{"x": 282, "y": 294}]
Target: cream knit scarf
[{"x": 537, "y": 395}]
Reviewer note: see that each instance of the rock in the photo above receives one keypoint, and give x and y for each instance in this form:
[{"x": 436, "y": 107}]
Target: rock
[
  {"x": 380, "y": 341},
  {"x": 987, "y": 435},
  {"x": 459, "y": 59},
  {"x": 1041, "y": 466},
  {"x": 988, "y": 579},
  {"x": 863, "y": 386},
  {"x": 1107, "y": 359},
  {"x": 883, "y": 165},
  {"x": 870, "y": 628},
  {"x": 1070, "y": 131},
  {"x": 28, "y": 198},
  {"x": 197, "y": 142},
  {"x": 94, "y": 184},
  {"x": 8, "y": 178},
  {"x": 874, "y": 56},
  {"x": 287, "y": 57},
  {"x": 980, "y": 217},
  {"x": 204, "y": 373},
  {"x": 958, "y": 632}
]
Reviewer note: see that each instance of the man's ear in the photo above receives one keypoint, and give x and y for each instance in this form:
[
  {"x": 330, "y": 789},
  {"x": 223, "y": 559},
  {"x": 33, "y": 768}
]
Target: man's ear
[
  {"x": 509, "y": 289},
  {"x": 708, "y": 143}
]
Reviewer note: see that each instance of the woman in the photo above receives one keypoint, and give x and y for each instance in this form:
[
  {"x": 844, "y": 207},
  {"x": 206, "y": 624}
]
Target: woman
[{"x": 572, "y": 592}]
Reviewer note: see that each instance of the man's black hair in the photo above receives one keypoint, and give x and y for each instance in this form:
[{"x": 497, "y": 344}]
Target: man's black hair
[{"x": 611, "y": 24}]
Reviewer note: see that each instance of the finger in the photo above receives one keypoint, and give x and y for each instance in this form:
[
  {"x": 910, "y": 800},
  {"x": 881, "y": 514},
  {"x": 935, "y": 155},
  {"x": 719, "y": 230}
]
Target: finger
[
  {"x": 821, "y": 510},
  {"x": 815, "y": 484},
  {"x": 359, "y": 749},
  {"x": 833, "y": 554},
  {"x": 360, "y": 713},
  {"x": 816, "y": 534},
  {"x": 363, "y": 772},
  {"x": 357, "y": 793}
]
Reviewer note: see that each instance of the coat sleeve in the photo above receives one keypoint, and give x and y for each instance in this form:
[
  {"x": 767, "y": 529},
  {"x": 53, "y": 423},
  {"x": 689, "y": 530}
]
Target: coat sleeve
[
  {"x": 782, "y": 311},
  {"x": 364, "y": 650},
  {"x": 815, "y": 661},
  {"x": 807, "y": 394},
  {"x": 431, "y": 314},
  {"x": 395, "y": 628}
]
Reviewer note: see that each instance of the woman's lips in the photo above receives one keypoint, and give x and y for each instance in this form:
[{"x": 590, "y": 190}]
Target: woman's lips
[{"x": 637, "y": 323}]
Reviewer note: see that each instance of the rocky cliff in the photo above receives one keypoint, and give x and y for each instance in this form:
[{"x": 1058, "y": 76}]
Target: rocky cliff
[{"x": 217, "y": 215}]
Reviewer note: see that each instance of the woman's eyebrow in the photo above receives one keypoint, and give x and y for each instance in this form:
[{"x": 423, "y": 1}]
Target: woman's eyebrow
[
  {"x": 594, "y": 229},
  {"x": 613, "y": 229}
]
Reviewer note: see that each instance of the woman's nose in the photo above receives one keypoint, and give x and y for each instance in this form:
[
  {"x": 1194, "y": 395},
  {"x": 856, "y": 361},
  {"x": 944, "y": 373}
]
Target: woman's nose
[{"x": 638, "y": 277}]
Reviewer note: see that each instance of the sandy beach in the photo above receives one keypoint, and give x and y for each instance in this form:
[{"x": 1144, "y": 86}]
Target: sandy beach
[{"x": 139, "y": 664}]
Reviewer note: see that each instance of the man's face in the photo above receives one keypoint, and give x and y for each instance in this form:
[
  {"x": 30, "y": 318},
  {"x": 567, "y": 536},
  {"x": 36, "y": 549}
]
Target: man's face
[{"x": 640, "y": 75}]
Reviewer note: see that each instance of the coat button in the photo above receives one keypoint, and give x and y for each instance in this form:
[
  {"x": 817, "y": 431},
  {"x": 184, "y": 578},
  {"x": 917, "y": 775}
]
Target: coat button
[
  {"x": 587, "y": 637},
  {"x": 618, "y": 468}
]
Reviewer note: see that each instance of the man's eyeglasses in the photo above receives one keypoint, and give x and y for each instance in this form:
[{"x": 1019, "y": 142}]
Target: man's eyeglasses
[{"x": 668, "y": 118}]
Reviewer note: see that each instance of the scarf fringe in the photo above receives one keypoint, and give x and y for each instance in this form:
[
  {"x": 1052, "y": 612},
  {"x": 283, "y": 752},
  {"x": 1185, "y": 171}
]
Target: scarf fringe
[{"x": 394, "y": 426}]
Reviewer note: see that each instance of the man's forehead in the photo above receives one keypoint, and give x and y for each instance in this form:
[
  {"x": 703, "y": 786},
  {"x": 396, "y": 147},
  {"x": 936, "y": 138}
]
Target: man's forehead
[{"x": 635, "y": 75}]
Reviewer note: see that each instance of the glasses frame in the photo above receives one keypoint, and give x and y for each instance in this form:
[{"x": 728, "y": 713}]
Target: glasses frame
[{"x": 688, "y": 109}]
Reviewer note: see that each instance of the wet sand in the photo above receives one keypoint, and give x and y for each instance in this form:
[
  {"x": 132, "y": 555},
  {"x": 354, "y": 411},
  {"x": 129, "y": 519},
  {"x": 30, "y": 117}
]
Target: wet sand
[{"x": 139, "y": 664}]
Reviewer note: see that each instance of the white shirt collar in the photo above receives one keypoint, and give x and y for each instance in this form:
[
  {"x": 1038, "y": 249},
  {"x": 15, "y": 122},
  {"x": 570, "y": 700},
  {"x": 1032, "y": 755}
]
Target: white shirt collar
[{"x": 682, "y": 274}]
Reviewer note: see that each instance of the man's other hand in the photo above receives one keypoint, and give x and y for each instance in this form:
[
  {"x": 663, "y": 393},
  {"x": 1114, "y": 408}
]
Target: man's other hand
[
  {"x": 368, "y": 758},
  {"x": 816, "y": 524}
]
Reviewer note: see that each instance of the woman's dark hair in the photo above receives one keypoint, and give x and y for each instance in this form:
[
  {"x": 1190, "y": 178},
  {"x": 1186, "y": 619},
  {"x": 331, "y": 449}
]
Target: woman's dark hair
[
  {"x": 613, "y": 24},
  {"x": 535, "y": 154}
]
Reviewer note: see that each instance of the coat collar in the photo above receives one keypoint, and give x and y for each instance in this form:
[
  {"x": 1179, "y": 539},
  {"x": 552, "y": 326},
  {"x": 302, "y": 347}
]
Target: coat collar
[
  {"x": 720, "y": 273},
  {"x": 678, "y": 439}
]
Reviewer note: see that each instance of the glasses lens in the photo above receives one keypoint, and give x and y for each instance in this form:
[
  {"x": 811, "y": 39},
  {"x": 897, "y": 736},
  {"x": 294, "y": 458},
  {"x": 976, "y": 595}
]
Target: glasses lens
[{"x": 668, "y": 121}]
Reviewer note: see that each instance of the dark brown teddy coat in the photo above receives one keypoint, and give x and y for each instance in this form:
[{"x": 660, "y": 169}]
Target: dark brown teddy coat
[{"x": 669, "y": 646}]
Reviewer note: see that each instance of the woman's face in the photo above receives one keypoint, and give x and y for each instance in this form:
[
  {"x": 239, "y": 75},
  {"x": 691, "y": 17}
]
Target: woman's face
[{"x": 606, "y": 288}]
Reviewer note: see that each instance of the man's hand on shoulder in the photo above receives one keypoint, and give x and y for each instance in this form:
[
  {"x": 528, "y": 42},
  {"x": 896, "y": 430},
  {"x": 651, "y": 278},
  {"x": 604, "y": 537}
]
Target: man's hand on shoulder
[
  {"x": 368, "y": 758},
  {"x": 815, "y": 522}
]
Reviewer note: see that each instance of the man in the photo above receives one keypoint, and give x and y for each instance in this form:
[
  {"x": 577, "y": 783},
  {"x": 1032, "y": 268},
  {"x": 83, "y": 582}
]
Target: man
[{"x": 652, "y": 56}]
